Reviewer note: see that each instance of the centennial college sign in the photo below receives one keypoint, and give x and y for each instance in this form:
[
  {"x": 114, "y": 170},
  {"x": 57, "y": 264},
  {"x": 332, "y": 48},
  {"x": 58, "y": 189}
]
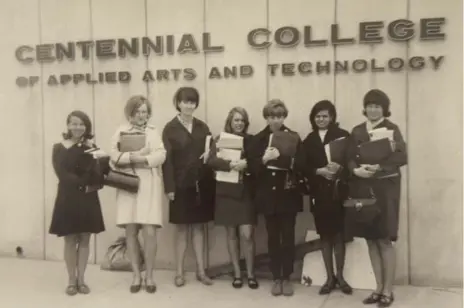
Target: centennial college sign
[{"x": 370, "y": 32}]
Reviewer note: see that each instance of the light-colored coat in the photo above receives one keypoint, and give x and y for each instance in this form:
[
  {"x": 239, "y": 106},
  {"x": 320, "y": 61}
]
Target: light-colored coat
[{"x": 145, "y": 207}]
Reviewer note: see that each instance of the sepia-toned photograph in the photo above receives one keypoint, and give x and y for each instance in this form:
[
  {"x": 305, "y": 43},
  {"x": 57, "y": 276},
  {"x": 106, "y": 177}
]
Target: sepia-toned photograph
[{"x": 231, "y": 153}]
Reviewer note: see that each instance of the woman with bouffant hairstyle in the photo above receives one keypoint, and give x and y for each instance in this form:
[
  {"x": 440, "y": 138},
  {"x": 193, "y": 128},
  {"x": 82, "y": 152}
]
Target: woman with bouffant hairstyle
[{"x": 141, "y": 210}]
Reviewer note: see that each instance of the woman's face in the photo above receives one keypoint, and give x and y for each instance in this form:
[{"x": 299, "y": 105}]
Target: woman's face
[
  {"x": 187, "y": 108},
  {"x": 275, "y": 122},
  {"x": 76, "y": 127},
  {"x": 323, "y": 119},
  {"x": 238, "y": 123},
  {"x": 374, "y": 112},
  {"x": 140, "y": 115}
]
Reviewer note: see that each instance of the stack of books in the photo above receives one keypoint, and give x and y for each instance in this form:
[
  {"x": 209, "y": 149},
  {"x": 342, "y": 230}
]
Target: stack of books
[
  {"x": 229, "y": 148},
  {"x": 131, "y": 142}
]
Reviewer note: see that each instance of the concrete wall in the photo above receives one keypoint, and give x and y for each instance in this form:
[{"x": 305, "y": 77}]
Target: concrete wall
[{"x": 426, "y": 104}]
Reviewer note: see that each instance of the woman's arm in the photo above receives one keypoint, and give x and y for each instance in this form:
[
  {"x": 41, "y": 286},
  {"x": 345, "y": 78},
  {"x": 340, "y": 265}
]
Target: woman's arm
[
  {"x": 64, "y": 175},
  {"x": 215, "y": 162},
  {"x": 168, "y": 166},
  {"x": 157, "y": 155},
  {"x": 399, "y": 157},
  {"x": 117, "y": 157}
]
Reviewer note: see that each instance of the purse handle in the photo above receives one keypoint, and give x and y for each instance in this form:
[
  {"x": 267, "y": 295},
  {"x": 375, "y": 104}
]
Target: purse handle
[{"x": 131, "y": 164}]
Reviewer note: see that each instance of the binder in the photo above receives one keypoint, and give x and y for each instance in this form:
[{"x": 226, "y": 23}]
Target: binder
[
  {"x": 131, "y": 142},
  {"x": 374, "y": 152},
  {"x": 287, "y": 143},
  {"x": 336, "y": 150}
]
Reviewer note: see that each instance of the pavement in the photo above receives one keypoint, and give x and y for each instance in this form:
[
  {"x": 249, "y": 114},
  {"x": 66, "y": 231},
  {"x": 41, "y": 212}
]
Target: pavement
[{"x": 29, "y": 283}]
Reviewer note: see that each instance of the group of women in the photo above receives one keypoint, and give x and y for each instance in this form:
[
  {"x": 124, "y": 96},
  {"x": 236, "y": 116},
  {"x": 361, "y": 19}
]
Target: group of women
[{"x": 177, "y": 164}]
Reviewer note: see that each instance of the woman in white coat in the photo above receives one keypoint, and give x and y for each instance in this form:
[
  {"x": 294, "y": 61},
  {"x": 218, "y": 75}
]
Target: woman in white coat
[{"x": 142, "y": 210}]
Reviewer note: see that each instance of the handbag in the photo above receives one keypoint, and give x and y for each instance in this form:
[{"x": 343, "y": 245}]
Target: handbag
[
  {"x": 117, "y": 259},
  {"x": 122, "y": 180},
  {"x": 361, "y": 206}
]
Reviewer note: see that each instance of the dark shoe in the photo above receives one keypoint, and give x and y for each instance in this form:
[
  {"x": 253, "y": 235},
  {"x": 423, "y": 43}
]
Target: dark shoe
[
  {"x": 71, "y": 289},
  {"x": 328, "y": 286},
  {"x": 344, "y": 286},
  {"x": 204, "y": 280},
  {"x": 237, "y": 283},
  {"x": 83, "y": 289},
  {"x": 135, "y": 288},
  {"x": 372, "y": 299},
  {"x": 276, "y": 288},
  {"x": 253, "y": 283},
  {"x": 287, "y": 288},
  {"x": 150, "y": 288},
  {"x": 385, "y": 300}
]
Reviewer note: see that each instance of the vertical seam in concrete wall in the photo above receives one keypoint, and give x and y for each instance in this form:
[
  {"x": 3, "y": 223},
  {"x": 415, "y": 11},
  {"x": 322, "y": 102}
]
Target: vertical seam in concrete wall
[
  {"x": 44, "y": 197},
  {"x": 335, "y": 58},
  {"x": 408, "y": 198},
  {"x": 148, "y": 56},
  {"x": 267, "y": 54},
  {"x": 205, "y": 100},
  {"x": 94, "y": 108}
]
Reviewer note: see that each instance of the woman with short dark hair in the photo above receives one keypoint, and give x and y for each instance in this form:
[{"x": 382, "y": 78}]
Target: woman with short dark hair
[
  {"x": 188, "y": 181},
  {"x": 77, "y": 211},
  {"x": 142, "y": 210},
  {"x": 326, "y": 193},
  {"x": 234, "y": 207},
  {"x": 277, "y": 197},
  {"x": 384, "y": 180}
]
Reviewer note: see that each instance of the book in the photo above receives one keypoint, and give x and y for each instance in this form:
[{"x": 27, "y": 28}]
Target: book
[
  {"x": 336, "y": 150},
  {"x": 287, "y": 143},
  {"x": 131, "y": 142},
  {"x": 381, "y": 133},
  {"x": 204, "y": 156},
  {"x": 229, "y": 141},
  {"x": 232, "y": 176},
  {"x": 374, "y": 152}
]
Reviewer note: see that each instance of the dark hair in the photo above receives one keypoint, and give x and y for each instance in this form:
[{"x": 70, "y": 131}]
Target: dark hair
[
  {"x": 230, "y": 116},
  {"x": 377, "y": 97},
  {"x": 320, "y": 106},
  {"x": 87, "y": 123},
  {"x": 186, "y": 94},
  {"x": 275, "y": 108},
  {"x": 134, "y": 103}
]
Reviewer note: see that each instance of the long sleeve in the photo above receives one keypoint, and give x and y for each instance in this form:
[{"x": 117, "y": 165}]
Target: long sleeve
[
  {"x": 64, "y": 175},
  {"x": 157, "y": 155},
  {"x": 399, "y": 157},
  {"x": 255, "y": 156},
  {"x": 117, "y": 156},
  {"x": 216, "y": 163},
  {"x": 168, "y": 167},
  {"x": 351, "y": 153},
  {"x": 303, "y": 162}
]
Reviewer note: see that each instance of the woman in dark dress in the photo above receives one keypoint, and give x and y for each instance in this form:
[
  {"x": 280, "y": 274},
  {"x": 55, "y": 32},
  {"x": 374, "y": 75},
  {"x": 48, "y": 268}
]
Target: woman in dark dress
[
  {"x": 384, "y": 178},
  {"x": 278, "y": 197},
  {"x": 234, "y": 201},
  {"x": 326, "y": 205},
  {"x": 188, "y": 181},
  {"x": 77, "y": 212}
]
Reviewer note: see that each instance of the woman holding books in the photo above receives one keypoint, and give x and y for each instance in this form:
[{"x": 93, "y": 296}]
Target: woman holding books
[
  {"x": 278, "y": 196},
  {"x": 188, "y": 180},
  {"x": 137, "y": 147},
  {"x": 327, "y": 193},
  {"x": 77, "y": 212},
  {"x": 382, "y": 179},
  {"x": 234, "y": 195}
]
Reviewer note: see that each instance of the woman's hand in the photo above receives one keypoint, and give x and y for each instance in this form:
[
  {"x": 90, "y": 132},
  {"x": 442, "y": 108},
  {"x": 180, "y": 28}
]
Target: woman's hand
[
  {"x": 170, "y": 196},
  {"x": 144, "y": 152},
  {"x": 326, "y": 173},
  {"x": 204, "y": 156},
  {"x": 238, "y": 165},
  {"x": 372, "y": 168},
  {"x": 333, "y": 167},
  {"x": 362, "y": 172},
  {"x": 135, "y": 157},
  {"x": 271, "y": 153}
]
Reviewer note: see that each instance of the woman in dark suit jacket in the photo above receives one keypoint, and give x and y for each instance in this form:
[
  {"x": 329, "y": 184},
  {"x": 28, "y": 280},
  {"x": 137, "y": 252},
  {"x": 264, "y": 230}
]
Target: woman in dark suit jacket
[
  {"x": 234, "y": 201},
  {"x": 277, "y": 197},
  {"x": 323, "y": 177},
  {"x": 188, "y": 182},
  {"x": 385, "y": 180}
]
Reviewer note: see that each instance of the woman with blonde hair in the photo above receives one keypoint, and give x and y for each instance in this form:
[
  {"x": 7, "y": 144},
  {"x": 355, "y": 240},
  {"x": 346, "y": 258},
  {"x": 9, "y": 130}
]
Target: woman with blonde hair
[
  {"x": 141, "y": 210},
  {"x": 234, "y": 208}
]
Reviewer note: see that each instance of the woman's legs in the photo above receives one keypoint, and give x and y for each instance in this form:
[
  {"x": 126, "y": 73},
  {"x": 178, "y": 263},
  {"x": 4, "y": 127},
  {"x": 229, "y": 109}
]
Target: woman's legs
[
  {"x": 246, "y": 232},
  {"x": 182, "y": 238},
  {"x": 70, "y": 257},
  {"x": 388, "y": 253},
  {"x": 377, "y": 264},
  {"x": 83, "y": 251},
  {"x": 199, "y": 249},
  {"x": 327, "y": 256},
  {"x": 133, "y": 247},
  {"x": 233, "y": 247},
  {"x": 149, "y": 239}
]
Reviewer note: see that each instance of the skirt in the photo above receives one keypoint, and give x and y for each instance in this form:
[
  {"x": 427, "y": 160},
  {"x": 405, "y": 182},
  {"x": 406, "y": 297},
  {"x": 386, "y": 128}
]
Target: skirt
[
  {"x": 328, "y": 218},
  {"x": 191, "y": 207},
  {"x": 232, "y": 212}
]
